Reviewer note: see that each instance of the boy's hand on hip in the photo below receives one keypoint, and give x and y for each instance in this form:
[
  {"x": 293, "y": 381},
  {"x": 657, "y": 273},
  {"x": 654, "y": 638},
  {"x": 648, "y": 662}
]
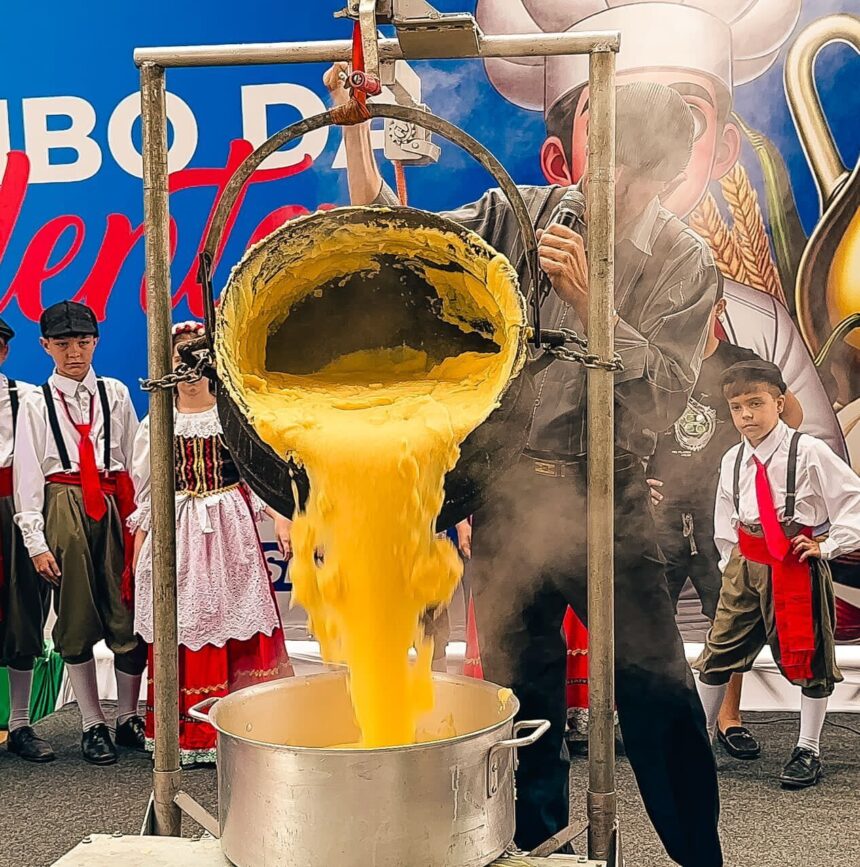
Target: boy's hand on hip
[
  {"x": 654, "y": 486},
  {"x": 47, "y": 567},
  {"x": 805, "y": 547}
]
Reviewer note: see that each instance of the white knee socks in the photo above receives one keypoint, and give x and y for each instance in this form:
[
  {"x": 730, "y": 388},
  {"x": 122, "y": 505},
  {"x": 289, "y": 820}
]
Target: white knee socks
[
  {"x": 712, "y": 700},
  {"x": 20, "y": 683},
  {"x": 127, "y": 695},
  {"x": 812, "y": 713},
  {"x": 85, "y": 686}
]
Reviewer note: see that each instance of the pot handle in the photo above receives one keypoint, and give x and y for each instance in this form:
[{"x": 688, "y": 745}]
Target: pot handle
[
  {"x": 196, "y": 712},
  {"x": 231, "y": 195},
  {"x": 540, "y": 726}
]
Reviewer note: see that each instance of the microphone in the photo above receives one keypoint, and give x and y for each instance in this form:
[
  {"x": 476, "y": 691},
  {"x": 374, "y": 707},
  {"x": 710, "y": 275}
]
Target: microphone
[{"x": 568, "y": 212}]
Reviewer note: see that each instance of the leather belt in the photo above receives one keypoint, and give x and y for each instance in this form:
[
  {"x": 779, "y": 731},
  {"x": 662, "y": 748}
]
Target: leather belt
[
  {"x": 791, "y": 529},
  {"x": 572, "y": 467}
]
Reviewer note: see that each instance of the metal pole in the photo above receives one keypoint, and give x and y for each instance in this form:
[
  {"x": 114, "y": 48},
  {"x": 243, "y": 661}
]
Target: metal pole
[
  {"x": 369, "y": 35},
  {"x": 601, "y": 448},
  {"x": 329, "y": 51},
  {"x": 166, "y": 777}
]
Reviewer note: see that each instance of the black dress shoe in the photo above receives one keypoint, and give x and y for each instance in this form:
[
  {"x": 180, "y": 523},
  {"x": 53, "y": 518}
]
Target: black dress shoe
[
  {"x": 803, "y": 770},
  {"x": 97, "y": 747},
  {"x": 24, "y": 742},
  {"x": 739, "y": 742},
  {"x": 132, "y": 734}
]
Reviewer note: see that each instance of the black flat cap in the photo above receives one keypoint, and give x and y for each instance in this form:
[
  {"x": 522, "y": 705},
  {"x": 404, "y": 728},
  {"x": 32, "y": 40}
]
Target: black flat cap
[
  {"x": 751, "y": 372},
  {"x": 68, "y": 319},
  {"x": 6, "y": 331}
]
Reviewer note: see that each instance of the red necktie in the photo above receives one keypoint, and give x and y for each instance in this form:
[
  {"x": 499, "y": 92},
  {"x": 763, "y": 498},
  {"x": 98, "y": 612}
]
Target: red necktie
[
  {"x": 791, "y": 581},
  {"x": 777, "y": 543},
  {"x": 91, "y": 486}
]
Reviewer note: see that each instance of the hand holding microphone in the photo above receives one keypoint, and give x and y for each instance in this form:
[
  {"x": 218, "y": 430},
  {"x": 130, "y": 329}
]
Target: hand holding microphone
[{"x": 562, "y": 254}]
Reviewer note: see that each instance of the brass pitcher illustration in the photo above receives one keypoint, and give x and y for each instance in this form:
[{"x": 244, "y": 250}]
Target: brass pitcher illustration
[{"x": 828, "y": 280}]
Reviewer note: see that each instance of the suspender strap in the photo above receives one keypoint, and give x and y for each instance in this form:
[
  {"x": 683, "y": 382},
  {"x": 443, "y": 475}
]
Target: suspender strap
[
  {"x": 13, "y": 402},
  {"x": 105, "y": 420},
  {"x": 736, "y": 484},
  {"x": 54, "y": 423},
  {"x": 791, "y": 478}
]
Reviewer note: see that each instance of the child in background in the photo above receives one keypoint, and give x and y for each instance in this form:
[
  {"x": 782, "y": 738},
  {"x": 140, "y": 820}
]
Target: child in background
[
  {"x": 229, "y": 628},
  {"x": 73, "y": 445},
  {"x": 684, "y": 472},
  {"x": 776, "y": 487},
  {"x": 24, "y": 596}
]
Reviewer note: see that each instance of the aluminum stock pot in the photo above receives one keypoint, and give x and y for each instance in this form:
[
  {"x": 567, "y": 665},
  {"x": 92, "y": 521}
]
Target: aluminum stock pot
[{"x": 445, "y": 803}]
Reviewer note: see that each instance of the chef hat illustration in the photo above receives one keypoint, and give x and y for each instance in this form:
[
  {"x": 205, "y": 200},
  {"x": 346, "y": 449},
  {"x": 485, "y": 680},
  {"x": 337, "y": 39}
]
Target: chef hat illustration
[{"x": 731, "y": 41}]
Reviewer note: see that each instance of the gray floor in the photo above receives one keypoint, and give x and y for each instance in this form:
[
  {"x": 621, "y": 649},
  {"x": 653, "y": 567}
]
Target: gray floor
[{"x": 46, "y": 810}]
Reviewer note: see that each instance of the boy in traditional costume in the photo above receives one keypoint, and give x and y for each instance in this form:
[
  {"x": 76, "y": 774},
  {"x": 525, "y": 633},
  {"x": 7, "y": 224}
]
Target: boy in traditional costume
[
  {"x": 776, "y": 488},
  {"x": 23, "y": 595},
  {"x": 685, "y": 471},
  {"x": 73, "y": 493}
]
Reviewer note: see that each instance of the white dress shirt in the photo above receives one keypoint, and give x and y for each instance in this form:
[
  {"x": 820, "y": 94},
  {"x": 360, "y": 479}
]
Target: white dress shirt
[
  {"x": 6, "y": 438},
  {"x": 36, "y": 455},
  {"x": 828, "y": 491}
]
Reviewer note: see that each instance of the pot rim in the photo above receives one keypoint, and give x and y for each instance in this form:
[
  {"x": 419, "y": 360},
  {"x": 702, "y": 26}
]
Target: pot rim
[
  {"x": 367, "y": 213},
  {"x": 512, "y": 704}
]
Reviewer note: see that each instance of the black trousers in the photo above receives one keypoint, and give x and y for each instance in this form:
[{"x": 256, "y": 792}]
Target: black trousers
[
  {"x": 529, "y": 563},
  {"x": 693, "y": 556}
]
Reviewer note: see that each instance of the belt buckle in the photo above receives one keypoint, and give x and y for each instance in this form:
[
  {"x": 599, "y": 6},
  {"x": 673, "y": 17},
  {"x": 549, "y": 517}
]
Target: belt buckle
[{"x": 547, "y": 468}]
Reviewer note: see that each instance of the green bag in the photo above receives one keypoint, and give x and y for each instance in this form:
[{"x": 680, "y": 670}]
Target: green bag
[{"x": 47, "y": 679}]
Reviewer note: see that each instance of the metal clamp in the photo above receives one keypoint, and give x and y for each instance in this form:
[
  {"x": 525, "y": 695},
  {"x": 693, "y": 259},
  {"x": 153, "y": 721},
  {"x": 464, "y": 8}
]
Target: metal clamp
[
  {"x": 540, "y": 726},
  {"x": 196, "y": 712}
]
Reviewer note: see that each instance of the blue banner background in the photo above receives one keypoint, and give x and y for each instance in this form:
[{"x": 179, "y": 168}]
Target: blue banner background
[{"x": 55, "y": 51}]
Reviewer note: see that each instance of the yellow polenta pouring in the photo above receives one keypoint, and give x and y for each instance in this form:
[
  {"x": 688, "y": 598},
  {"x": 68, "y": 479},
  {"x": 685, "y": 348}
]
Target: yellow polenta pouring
[{"x": 366, "y": 345}]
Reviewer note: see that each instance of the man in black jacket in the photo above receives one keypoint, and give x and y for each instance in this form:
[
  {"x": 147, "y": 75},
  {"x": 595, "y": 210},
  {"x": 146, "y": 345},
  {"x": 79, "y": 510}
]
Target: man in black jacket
[{"x": 529, "y": 560}]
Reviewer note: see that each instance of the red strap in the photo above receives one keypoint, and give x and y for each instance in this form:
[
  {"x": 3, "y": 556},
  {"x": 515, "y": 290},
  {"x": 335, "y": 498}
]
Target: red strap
[
  {"x": 792, "y": 604},
  {"x": 125, "y": 505},
  {"x": 400, "y": 176},
  {"x": 358, "y": 60},
  {"x": 6, "y": 482},
  {"x": 720, "y": 331},
  {"x": 94, "y": 501}
]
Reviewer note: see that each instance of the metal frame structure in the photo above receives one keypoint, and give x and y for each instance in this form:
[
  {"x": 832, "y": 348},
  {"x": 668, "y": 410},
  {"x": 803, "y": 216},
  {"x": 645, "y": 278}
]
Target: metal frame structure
[{"x": 421, "y": 36}]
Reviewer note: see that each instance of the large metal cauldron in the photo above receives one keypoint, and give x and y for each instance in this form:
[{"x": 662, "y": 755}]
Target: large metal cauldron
[
  {"x": 448, "y": 803},
  {"x": 494, "y": 445},
  {"x": 387, "y": 301}
]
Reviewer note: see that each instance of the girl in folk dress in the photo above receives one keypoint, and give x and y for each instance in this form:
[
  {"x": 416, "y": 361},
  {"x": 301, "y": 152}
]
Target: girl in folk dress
[{"x": 229, "y": 628}]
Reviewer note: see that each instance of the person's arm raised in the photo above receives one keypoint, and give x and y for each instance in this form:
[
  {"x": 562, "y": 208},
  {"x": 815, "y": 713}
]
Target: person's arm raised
[{"x": 365, "y": 179}]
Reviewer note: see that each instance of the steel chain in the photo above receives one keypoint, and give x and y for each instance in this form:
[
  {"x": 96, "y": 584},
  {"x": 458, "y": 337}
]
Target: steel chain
[
  {"x": 588, "y": 359},
  {"x": 570, "y": 336},
  {"x": 183, "y": 373}
]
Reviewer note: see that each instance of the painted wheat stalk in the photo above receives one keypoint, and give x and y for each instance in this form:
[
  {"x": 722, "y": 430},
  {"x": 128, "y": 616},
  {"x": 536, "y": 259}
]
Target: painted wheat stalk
[
  {"x": 742, "y": 252},
  {"x": 750, "y": 232},
  {"x": 707, "y": 222}
]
